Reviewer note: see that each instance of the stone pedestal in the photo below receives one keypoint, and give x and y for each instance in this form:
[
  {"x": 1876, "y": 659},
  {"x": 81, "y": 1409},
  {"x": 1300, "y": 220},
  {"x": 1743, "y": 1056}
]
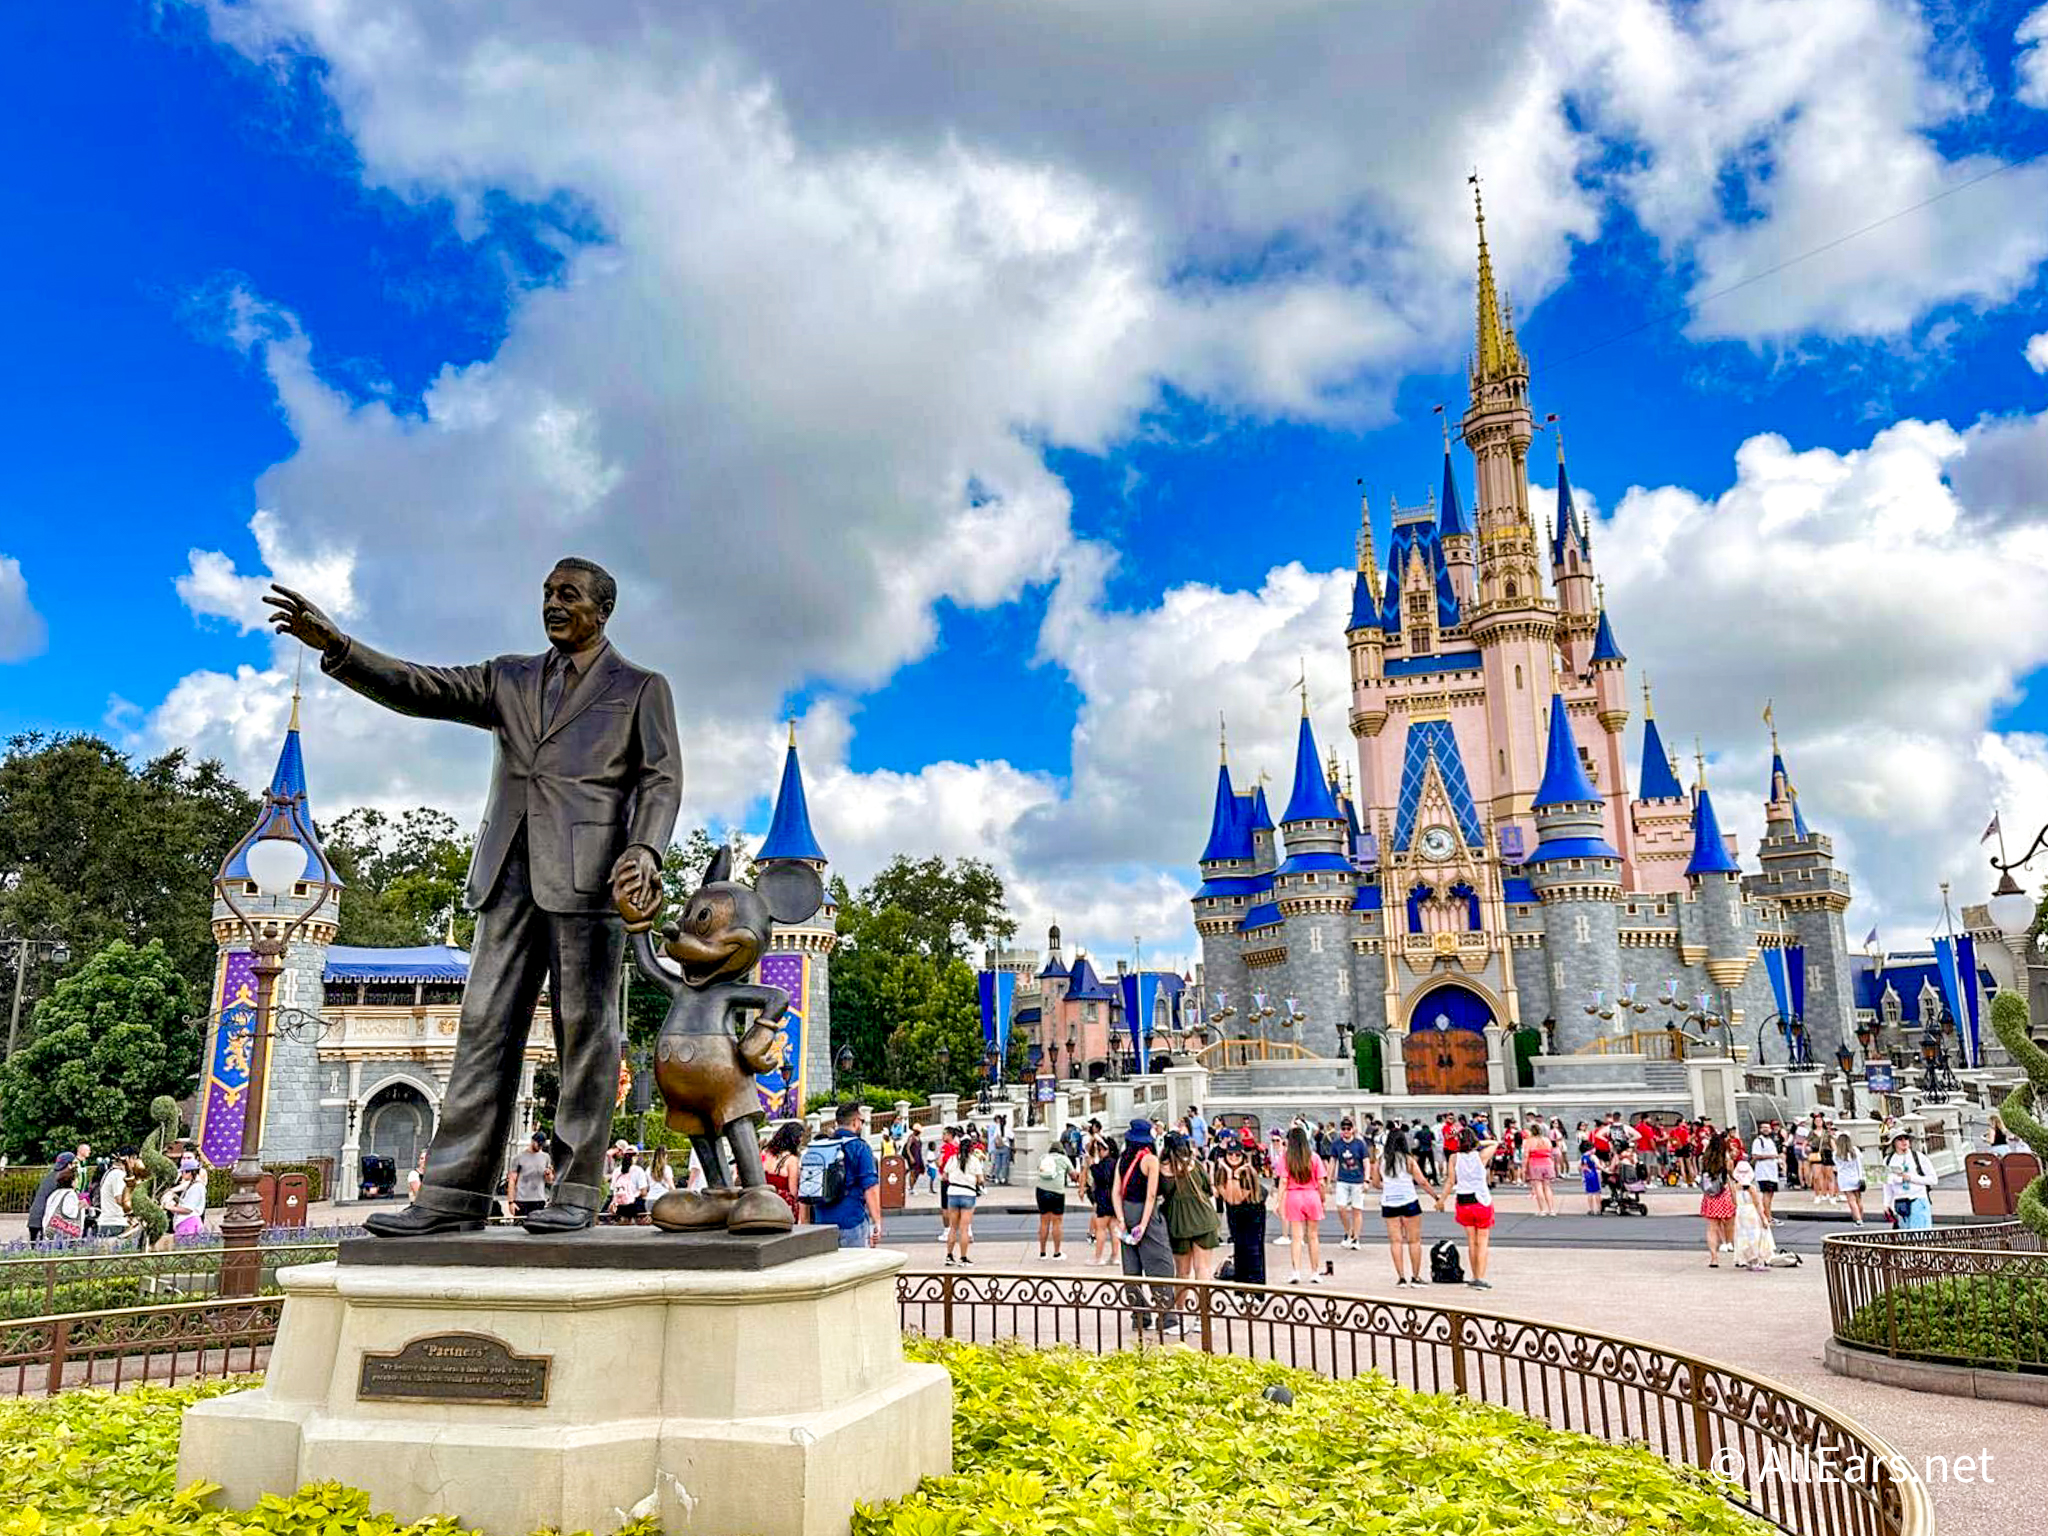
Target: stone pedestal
[{"x": 729, "y": 1402}]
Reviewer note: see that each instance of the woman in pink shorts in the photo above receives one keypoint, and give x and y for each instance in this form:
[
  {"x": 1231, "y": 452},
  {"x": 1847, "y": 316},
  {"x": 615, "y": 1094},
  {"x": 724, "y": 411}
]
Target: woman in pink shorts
[{"x": 1301, "y": 1206}]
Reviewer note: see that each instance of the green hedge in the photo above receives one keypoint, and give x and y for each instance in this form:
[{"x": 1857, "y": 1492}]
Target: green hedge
[
  {"x": 1158, "y": 1442},
  {"x": 18, "y": 1185},
  {"x": 1996, "y": 1321}
]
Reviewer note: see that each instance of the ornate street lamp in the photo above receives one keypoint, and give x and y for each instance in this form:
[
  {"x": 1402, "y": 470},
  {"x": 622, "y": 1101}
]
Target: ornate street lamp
[
  {"x": 843, "y": 1067},
  {"x": 273, "y": 853},
  {"x": 60, "y": 954},
  {"x": 1846, "y": 1060}
]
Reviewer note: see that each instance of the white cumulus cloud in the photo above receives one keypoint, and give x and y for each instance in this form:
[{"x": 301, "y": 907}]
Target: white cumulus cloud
[{"x": 22, "y": 632}]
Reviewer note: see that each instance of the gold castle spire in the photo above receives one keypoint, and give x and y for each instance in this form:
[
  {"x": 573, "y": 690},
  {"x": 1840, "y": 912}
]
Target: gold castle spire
[{"x": 1497, "y": 355}]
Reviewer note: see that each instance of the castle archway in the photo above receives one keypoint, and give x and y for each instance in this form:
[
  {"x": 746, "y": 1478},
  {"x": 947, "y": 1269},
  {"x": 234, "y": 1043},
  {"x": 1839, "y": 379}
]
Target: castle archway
[
  {"x": 398, "y": 1123},
  {"x": 1444, "y": 1051}
]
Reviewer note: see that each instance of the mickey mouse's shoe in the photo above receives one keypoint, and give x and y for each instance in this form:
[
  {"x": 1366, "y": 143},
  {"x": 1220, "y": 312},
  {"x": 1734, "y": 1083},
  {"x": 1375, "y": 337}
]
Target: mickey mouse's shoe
[
  {"x": 760, "y": 1210},
  {"x": 683, "y": 1210}
]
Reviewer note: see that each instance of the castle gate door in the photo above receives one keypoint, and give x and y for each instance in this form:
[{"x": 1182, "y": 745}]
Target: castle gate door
[{"x": 1445, "y": 1051}]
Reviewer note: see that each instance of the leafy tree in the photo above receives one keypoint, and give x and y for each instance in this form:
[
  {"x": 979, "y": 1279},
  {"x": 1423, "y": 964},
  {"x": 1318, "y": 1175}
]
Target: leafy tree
[
  {"x": 113, "y": 1035},
  {"x": 954, "y": 909},
  {"x": 94, "y": 849},
  {"x": 902, "y": 981},
  {"x": 404, "y": 876}
]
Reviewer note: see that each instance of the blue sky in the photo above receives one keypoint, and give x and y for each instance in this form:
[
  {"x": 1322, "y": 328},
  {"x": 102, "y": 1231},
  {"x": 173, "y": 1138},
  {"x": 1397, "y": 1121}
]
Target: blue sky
[{"x": 381, "y": 298}]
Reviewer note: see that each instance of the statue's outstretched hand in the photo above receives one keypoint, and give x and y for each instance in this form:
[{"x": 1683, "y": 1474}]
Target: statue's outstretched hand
[
  {"x": 636, "y": 888},
  {"x": 297, "y": 617}
]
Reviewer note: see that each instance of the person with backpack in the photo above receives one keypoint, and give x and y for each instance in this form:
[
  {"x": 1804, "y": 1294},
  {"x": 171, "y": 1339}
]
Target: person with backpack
[
  {"x": 839, "y": 1185},
  {"x": 1474, "y": 1201},
  {"x": 1717, "y": 1198}
]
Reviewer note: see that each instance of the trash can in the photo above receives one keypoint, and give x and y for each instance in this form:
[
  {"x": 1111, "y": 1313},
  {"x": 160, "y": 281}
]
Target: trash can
[
  {"x": 290, "y": 1202},
  {"x": 895, "y": 1178},
  {"x": 1986, "y": 1179},
  {"x": 2020, "y": 1170}
]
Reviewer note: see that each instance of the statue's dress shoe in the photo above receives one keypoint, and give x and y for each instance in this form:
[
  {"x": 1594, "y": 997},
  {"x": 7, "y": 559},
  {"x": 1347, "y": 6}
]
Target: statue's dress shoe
[
  {"x": 760, "y": 1210},
  {"x": 418, "y": 1221},
  {"x": 557, "y": 1218},
  {"x": 683, "y": 1210}
]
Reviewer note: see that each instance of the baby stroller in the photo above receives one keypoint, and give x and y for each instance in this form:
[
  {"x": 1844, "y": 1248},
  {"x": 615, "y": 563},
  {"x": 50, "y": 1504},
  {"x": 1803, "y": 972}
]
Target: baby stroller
[{"x": 1622, "y": 1182}]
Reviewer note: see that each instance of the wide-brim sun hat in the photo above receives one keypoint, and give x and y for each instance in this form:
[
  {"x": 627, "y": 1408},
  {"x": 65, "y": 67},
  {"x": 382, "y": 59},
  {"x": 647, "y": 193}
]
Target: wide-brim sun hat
[{"x": 1139, "y": 1133}]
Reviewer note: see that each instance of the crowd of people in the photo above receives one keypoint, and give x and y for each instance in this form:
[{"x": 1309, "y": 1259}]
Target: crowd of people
[{"x": 81, "y": 1198}]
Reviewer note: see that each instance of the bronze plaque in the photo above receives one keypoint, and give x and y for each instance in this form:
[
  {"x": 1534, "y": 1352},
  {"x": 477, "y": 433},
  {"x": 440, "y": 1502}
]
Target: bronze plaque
[{"x": 456, "y": 1368}]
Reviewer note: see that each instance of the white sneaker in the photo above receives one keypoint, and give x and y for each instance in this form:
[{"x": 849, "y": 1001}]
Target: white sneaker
[
  {"x": 1279, "y": 1238},
  {"x": 1294, "y": 1278}
]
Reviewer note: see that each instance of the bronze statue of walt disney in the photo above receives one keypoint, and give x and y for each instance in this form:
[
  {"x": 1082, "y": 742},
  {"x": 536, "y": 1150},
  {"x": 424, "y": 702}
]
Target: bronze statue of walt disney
[{"x": 720, "y": 1031}]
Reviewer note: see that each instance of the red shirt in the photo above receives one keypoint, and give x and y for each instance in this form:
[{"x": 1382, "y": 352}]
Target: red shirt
[
  {"x": 1647, "y": 1135},
  {"x": 1681, "y": 1135}
]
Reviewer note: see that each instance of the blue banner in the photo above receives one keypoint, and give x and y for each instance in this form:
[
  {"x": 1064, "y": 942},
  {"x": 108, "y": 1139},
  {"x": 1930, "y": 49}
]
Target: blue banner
[
  {"x": 1945, "y": 968},
  {"x": 1774, "y": 967},
  {"x": 1966, "y": 983},
  {"x": 1795, "y": 978},
  {"x": 998, "y": 997}
]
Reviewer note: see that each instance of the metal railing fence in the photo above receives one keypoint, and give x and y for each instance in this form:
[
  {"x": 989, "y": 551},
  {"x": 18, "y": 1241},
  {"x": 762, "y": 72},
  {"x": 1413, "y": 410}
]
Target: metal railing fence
[
  {"x": 1958, "y": 1295},
  {"x": 1692, "y": 1412}
]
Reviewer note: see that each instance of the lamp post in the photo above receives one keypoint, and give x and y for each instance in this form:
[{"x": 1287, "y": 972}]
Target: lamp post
[
  {"x": 1033, "y": 1059},
  {"x": 1073, "y": 1051},
  {"x": 842, "y": 1066},
  {"x": 1846, "y": 1060},
  {"x": 60, "y": 954},
  {"x": 1937, "y": 1081},
  {"x": 982, "y": 1100},
  {"x": 273, "y": 852},
  {"x": 1261, "y": 1010},
  {"x": 944, "y": 1058}
]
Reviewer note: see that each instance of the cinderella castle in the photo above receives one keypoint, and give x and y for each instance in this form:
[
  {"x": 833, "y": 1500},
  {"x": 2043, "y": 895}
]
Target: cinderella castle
[{"x": 1495, "y": 864}]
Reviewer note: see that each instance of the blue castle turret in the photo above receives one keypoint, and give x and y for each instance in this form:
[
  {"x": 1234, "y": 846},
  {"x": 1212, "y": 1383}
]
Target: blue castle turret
[
  {"x": 1312, "y": 895},
  {"x": 1799, "y": 872},
  {"x": 1233, "y": 888},
  {"x": 1576, "y": 875},
  {"x": 813, "y": 940}
]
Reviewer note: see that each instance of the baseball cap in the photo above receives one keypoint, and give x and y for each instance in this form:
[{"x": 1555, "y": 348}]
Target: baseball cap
[{"x": 65, "y": 1160}]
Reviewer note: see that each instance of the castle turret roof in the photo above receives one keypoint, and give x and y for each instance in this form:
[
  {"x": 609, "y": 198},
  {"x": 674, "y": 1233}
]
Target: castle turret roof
[
  {"x": 1568, "y": 530},
  {"x": 1262, "y": 818},
  {"x": 789, "y": 830},
  {"x": 1311, "y": 799},
  {"x": 1365, "y": 604},
  {"x": 1658, "y": 781},
  {"x": 1451, "y": 518},
  {"x": 1604, "y": 648},
  {"x": 288, "y": 781},
  {"x": 1230, "y": 836},
  {"x": 1564, "y": 776},
  {"x": 1710, "y": 855},
  {"x": 1780, "y": 775}
]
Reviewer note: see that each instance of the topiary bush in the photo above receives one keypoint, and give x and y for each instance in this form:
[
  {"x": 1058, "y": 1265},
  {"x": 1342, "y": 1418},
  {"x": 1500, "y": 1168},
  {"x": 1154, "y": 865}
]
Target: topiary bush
[{"x": 2009, "y": 1023}]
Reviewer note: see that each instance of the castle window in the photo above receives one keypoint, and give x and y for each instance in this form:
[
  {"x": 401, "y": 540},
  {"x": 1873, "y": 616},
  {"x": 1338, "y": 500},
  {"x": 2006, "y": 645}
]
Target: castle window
[
  {"x": 1512, "y": 591},
  {"x": 1502, "y": 754},
  {"x": 1518, "y": 676}
]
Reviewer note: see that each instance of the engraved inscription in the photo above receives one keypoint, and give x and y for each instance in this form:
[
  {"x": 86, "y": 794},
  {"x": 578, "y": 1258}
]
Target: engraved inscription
[{"x": 456, "y": 1368}]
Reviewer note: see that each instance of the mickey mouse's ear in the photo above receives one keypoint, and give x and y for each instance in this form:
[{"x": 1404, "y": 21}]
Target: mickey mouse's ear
[{"x": 791, "y": 889}]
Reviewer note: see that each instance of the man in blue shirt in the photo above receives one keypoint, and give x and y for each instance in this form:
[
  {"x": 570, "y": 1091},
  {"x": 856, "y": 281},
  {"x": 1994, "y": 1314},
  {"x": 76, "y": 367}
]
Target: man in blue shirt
[
  {"x": 857, "y": 1213},
  {"x": 1349, "y": 1152},
  {"x": 1198, "y": 1128}
]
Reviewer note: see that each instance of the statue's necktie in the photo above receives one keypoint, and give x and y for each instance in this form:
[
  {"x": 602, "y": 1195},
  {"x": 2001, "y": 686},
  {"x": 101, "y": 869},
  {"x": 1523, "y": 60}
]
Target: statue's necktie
[{"x": 552, "y": 688}]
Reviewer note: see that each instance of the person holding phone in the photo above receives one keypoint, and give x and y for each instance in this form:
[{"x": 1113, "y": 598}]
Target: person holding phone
[{"x": 1142, "y": 1226}]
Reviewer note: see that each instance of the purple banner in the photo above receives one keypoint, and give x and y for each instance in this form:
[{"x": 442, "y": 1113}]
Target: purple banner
[
  {"x": 782, "y": 1091},
  {"x": 224, "y": 1103}
]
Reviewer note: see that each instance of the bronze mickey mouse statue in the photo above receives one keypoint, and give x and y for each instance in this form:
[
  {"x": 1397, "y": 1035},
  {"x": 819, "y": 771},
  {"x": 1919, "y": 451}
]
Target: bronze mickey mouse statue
[{"x": 705, "y": 1070}]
